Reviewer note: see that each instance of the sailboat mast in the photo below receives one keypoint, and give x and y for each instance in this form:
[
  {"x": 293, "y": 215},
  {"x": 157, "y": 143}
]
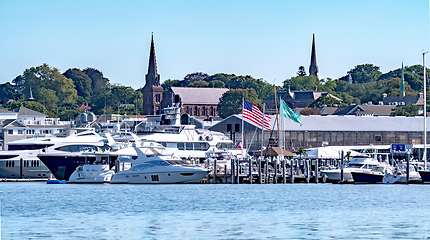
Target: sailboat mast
[{"x": 276, "y": 106}]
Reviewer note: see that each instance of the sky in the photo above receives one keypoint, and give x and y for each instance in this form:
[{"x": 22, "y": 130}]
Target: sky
[{"x": 265, "y": 39}]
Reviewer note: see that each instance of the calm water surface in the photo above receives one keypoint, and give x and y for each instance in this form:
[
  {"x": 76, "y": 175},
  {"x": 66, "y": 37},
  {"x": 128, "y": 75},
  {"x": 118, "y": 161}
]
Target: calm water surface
[{"x": 298, "y": 211}]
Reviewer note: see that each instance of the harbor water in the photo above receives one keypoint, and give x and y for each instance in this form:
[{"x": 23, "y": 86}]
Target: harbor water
[{"x": 36, "y": 210}]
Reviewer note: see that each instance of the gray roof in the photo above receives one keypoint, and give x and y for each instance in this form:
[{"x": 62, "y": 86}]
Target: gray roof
[
  {"x": 349, "y": 123},
  {"x": 354, "y": 123},
  {"x": 23, "y": 111},
  {"x": 199, "y": 95},
  {"x": 4, "y": 111}
]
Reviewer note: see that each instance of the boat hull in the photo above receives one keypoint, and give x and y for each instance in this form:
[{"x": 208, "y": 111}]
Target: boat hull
[
  {"x": 365, "y": 177},
  {"x": 62, "y": 167},
  {"x": 160, "y": 177},
  {"x": 91, "y": 174},
  {"x": 425, "y": 176}
]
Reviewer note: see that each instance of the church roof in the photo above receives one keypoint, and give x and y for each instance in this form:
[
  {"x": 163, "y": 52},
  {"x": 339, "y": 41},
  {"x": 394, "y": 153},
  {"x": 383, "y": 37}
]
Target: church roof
[{"x": 209, "y": 96}]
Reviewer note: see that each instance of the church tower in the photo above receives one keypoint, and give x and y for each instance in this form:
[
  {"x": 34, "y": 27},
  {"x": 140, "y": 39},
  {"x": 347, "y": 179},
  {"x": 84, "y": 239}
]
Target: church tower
[
  {"x": 313, "y": 68},
  {"x": 152, "y": 91}
]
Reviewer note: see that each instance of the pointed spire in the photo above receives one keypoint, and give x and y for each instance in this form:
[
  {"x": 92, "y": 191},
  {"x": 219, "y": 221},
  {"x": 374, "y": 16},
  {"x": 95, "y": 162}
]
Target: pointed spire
[
  {"x": 313, "y": 68},
  {"x": 31, "y": 96},
  {"x": 152, "y": 78},
  {"x": 402, "y": 84}
]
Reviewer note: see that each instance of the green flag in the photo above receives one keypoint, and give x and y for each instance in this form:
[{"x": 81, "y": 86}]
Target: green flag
[{"x": 287, "y": 112}]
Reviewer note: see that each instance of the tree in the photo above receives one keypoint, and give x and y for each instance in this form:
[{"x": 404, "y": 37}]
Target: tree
[
  {"x": 324, "y": 101},
  {"x": 199, "y": 84},
  {"x": 231, "y": 101},
  {"x": 301, "y": 72},
  {"x": 7, "y": 91},
  {"x": 170, "y": 83},
  {"x": 216, "y": 84},
  {"x": 302, "y": 83},
  {"x": 81, "y": 81},
  {"x": 408, "y": 110},
  {"x": 302, "y": 152},
  {"x": 101, "y": 90},
  {"x": 365, "y": 73},
  {"x": 193, "y": 77}
]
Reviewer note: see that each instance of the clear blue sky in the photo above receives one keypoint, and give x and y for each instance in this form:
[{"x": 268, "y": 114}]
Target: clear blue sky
[{"x": 264, "y": 39}]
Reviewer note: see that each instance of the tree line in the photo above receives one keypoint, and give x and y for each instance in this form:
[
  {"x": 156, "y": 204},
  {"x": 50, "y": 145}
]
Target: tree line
[{"x": 60, "y": 94}]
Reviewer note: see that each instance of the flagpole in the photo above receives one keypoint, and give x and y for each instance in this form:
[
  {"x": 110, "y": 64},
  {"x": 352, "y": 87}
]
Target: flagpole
[
  {"x": 243, "y": 107},
  {"x": 262, "y": 132}
]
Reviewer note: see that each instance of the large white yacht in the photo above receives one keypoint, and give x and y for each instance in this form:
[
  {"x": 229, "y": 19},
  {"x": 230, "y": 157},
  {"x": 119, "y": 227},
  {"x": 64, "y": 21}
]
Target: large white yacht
[
  {"x": 157, "y": 165},
  {"x": 21, "y": 161},
  {"x": 184, "y": 140},
  {"x": 64, "y": 164}
]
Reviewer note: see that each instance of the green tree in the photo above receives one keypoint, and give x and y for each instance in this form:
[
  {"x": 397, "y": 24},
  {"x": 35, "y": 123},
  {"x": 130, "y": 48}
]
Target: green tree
[
  {"x": 302, "y": 152},
  {"x": 408, "y": 110},
  {"x": 324, "y": 101},
  {"x": 170, "y": 83},
  {"x": 7, "y": 91},
  {"x": 81, "y": 81},
  {"x": 302, "y": 83},
  {"x": 216, "y": 84},
  {"x": 199, "y": 84},
  {"x": 365, "y": 73},
  {"x": 231, "y": 101}
]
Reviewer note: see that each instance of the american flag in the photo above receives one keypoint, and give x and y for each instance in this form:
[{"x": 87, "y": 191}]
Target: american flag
[{"x": 254, "y": 114}]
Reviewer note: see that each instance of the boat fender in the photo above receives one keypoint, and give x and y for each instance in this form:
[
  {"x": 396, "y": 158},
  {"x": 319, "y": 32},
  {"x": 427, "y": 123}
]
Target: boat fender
[
  {"x": 209, "y": 138},
  {"x": 201, "y": 138}
]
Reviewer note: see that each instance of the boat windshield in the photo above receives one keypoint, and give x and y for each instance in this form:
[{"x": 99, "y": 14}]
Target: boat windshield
[
  {"x": 150, "y": 164},
  {"x": 176, "y": 162},
  {"x": 220, "y": 155}
]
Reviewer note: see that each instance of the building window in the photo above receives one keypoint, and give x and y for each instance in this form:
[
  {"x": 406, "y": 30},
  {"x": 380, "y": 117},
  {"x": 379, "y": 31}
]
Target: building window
[
  {"x": 157, "y": 98},
  {"x": 211, "y": 111},
  {"x": 20, "y": 131},
  {"x": 378, "y": 138},
  {"x": 187, "y": 109},
  {"x": 203, "y": 111},
  {"x": 10, "y": 131},
  {"x": 195, "y": 111}
]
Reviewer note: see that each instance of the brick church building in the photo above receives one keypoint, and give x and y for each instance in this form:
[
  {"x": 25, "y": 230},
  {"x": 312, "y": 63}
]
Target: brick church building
[{"x": 198, "y": 102}]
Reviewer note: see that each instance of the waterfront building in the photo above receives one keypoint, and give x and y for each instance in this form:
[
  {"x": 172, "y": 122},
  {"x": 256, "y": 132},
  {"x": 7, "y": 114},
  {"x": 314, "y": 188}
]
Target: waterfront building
[{"x": 317, "y": 131}]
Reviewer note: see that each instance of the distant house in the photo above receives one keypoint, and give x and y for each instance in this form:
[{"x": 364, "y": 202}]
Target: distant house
[
  {"x": 403, "y": 101},
  {"x": 198, "y": 102},
  {"x": 359, "y": 110},
  {"x": 296, "y": 99}
]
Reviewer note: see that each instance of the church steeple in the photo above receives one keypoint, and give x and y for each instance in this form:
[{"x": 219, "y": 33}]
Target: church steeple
[
  {"x": 313, "y": 68},
  {"x": 152, "y": 91},
  {"x": 152, "y": 78},
  {"x": 402, "y": 84},
  {"x": 30, "y": 99}
]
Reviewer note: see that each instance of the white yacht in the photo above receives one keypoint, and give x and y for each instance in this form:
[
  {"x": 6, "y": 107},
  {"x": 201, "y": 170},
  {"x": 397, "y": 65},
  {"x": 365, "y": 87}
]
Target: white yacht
[
  {"x": 92, "y": 173},
  {"x": 184, "y": 140},
  {"x": 155, "y": 165},
  {"x": 361, "y": 163},
  {"x": 68, "y": 165},
  {"x": 399, "y": 175},
  {"x": 21, "y": 161}
]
